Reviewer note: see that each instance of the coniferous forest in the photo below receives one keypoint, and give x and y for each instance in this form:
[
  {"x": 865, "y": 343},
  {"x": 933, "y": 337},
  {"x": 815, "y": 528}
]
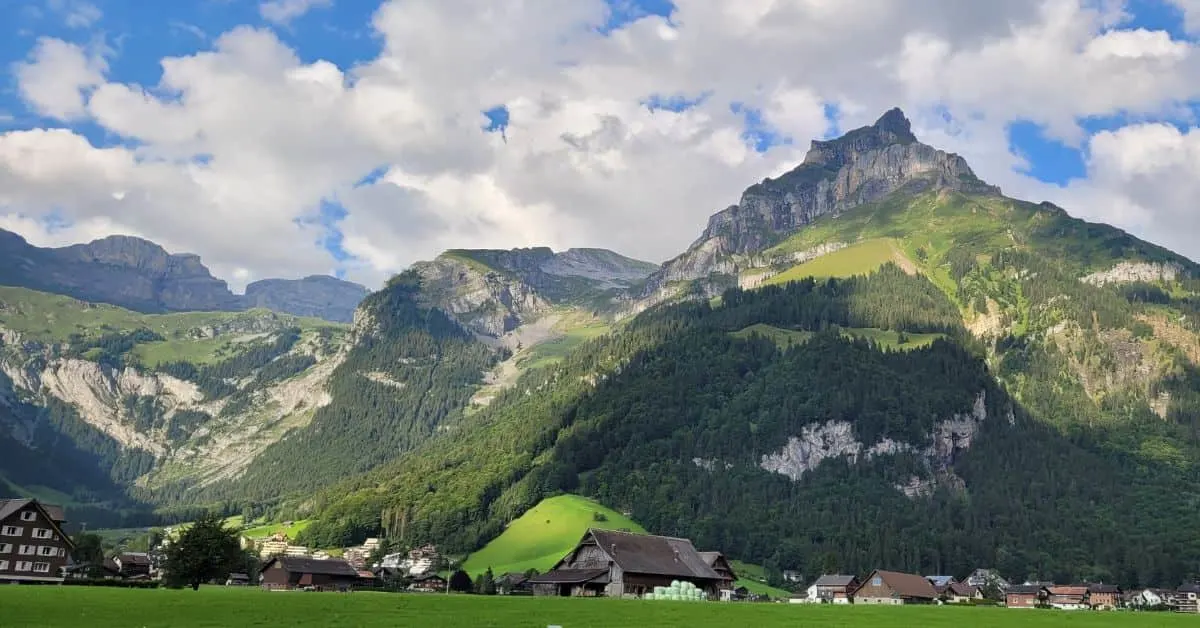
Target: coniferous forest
[{"x": 670, "y": 420}]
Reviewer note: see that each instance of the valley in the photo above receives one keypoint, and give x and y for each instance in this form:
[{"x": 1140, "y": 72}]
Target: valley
[{"x": 875, "y": 358}]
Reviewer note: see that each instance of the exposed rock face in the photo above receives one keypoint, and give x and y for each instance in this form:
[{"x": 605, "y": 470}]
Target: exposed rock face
[
  {"x": 1129, "y": 272},
  {"x": 492, "y": 292},
  {"x": 487, "y": 302},
  {"x": 835, "y": 439},
  {"x": 142, "y": 276},
  {"x": 319, "y": 296},
  {"x": 107, "y": 399},
  {"x": 863, "y": 166}
]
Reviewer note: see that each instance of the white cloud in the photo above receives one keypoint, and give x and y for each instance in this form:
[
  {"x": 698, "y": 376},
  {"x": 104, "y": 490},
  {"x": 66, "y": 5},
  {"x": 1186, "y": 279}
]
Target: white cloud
[
  {"x": 238, "y": 146},
  {"x": 284, "y": 11},
  {"x": 76, "y": 13},
  {"x": 55, "y": 76},
  {"x": 1191, "y": 13}
]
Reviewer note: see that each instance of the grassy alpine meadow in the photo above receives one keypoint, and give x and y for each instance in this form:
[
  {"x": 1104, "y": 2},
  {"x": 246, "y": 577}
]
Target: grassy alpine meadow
[{"x": 212, "y": 607}]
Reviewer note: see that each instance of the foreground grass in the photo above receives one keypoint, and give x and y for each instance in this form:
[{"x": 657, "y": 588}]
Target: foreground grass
[
  {"x": 52, "y": 606},
  {"x": 544, "y": 534}
]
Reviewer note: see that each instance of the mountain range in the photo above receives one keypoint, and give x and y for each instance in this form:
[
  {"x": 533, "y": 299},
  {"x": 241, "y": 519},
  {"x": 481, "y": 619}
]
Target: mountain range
[
  {"x": 140, "y": 275},
  {"x": 874, "y": 359}
]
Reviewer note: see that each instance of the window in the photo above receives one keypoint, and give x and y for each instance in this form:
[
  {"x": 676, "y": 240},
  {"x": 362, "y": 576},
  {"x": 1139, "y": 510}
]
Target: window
[
  {"x": 11, "y": 531},
  {"x": 42, "y": 533},
  {"x": 23, "y": 565},
  {"x": 47, "y": 550},
  {"x": 877, "y": 581},
  {"x": 29, "y": 515},
  {"x": 3, "y": 565},
  {"x": 41, "y": 567},
  {"x": 5, "y": 548},
  {"x": 28, "y": 550}
]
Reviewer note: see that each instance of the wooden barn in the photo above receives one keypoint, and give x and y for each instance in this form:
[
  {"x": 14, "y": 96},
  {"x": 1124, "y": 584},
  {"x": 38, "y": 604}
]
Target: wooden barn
[
  {"x": 297, "y": 572},
  {"x": 620, "y": 563}
]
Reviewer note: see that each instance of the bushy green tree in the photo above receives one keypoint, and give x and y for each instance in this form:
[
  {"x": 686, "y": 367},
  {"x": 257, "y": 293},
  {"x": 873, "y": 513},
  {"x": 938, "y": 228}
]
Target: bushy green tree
[{"x": 205, "y": 551}]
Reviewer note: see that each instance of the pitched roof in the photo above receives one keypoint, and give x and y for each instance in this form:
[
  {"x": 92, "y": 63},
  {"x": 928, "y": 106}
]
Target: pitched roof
[
  {"x": 134, "y": 558},
  {"x": 1024, "y": 589},
  {"x": 52, "y": 512},
  {"x": 940, "y": 581},
  {"x": 1103, "y": 588},
  {"x": 569, "y": 576},
  {"x": 657, "y": 555},
  {"x": 962, "y": 588},
  {"x": 300, "y": 564},
  {"x": 1072, "y": 590},
  {"x": 834, "y": 581},
  {"x": 907, "y": 584}
]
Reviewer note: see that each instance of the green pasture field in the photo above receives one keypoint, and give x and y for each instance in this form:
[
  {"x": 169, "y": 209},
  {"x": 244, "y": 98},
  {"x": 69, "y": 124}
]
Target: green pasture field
[{"x": 213, "y": 607}]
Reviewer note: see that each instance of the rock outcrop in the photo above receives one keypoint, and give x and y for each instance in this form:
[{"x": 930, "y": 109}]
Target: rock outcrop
[
  {"x": 492, "y": 292},
  {"x": 140, "y": 275},
  {"x": 836, "y": 439},
  {"x": 1130, "y": 272},
  {"x": 863, "y": 166}
]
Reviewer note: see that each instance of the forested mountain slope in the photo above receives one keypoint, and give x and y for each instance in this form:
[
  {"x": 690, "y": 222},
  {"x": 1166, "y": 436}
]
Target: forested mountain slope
[{"x": 1011, "y": 387}]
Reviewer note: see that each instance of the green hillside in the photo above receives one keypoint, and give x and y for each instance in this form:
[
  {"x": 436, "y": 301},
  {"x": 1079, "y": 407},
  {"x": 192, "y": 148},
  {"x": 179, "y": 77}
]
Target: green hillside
[
  {"x": 544, "y": 534},
  {"x": 857, "y": 259}
]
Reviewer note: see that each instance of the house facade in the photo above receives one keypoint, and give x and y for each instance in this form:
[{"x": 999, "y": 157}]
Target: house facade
[
  {"x": 293, "y": 572},
  {"x": 616, "y": 564},
  {"x": 961, "y": 593},
  {"x": 893, "y": 587},
  {"x": 1025, "y": 595},
  {"x": 1187, "y": 598},
  {"x": 720, "y": 564},
  {"x": 833, "y": 589},
  {"x": 1068, "y": 597},
  {"x": 33, "y": 546},
  {"x": 1104, "y": 596}
]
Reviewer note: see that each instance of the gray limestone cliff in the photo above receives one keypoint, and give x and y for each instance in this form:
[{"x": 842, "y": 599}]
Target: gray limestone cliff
[
  {"x": 140, "y": 275},
  {"x": 492, "y": 292},
  {"x": 318, "y": 296},
  {"x": 863, "y": 166}
]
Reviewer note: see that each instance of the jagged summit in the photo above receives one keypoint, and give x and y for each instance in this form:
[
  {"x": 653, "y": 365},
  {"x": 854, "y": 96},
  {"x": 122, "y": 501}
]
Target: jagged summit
[
  {"x": 891, "y": 128},
  {"x": 862, "y": 166}
]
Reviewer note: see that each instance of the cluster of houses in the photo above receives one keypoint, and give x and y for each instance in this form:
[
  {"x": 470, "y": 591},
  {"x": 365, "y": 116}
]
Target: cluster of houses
[{"x": 34, "y": 548}]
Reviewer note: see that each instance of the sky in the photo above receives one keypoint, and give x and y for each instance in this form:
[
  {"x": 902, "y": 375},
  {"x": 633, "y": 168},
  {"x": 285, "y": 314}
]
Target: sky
[{"x": 282, "y": 138}]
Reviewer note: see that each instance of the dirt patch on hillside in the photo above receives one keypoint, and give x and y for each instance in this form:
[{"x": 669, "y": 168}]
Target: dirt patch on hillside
[
  {"x": 902, "y": 260},
  {"x": 1174, "y": 333}
]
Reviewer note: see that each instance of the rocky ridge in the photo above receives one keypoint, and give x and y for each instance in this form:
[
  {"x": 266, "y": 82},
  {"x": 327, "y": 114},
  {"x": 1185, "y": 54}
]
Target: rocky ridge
[
  {"x": 863, "y": 166},
  {"x": 140, "y": 275},
  {"x": 493, "y": 292}
]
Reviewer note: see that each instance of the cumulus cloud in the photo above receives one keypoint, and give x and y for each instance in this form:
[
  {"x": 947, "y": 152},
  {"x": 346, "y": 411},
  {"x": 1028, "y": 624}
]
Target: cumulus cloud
[
  {"x": 235, "y": 150},
  {"x": 284, "y": 11}
]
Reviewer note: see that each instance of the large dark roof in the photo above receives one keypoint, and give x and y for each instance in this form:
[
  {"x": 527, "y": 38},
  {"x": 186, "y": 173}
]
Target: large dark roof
[
  {"x": 834, "y": 581},
  {"x": 962, "y": 588},
  {"x": 907, "y": 584},
  {"x": 9, "y": 506},
  {"x": 134, "y": 558},
  {"x": 300, "y": 564},
  {"x": 1024, "y": 589},
  {"x": 1103, "y": 588},
  {"x": 655, "y": 555}
]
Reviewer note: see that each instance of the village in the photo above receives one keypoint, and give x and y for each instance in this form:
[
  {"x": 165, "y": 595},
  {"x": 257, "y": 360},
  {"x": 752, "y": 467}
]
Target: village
[{"x": 604, "y": 563}]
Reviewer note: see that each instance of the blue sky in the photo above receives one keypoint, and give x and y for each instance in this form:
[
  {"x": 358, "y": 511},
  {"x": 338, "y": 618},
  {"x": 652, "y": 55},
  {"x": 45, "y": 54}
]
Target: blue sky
[{"x": 134, "y": 35}]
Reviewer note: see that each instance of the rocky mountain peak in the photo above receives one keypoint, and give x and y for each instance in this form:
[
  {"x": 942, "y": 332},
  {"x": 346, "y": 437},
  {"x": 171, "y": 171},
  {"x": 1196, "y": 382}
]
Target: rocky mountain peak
[
  {"x": 892, "y": 128},
  {"x": 863, "y": 166}
]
